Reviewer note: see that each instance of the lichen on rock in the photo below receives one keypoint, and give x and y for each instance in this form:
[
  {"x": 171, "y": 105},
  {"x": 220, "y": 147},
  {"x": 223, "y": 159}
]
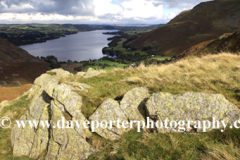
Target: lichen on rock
[
  {"x": 133, "y": 103},
  {"x": 50, "y": 100},
  {"x": 108, "y": 111},
  {"x": 191, "y": 106},
  {"x": 60, "y": 73},
  {"x": 65, "y": 143}
]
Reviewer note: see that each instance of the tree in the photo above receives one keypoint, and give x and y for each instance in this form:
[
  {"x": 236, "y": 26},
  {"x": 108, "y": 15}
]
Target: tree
[{"x": 52, "y": 60}]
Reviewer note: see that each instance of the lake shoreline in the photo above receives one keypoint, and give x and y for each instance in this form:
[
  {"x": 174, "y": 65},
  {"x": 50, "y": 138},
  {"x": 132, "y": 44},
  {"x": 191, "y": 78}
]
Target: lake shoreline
[
  {"x": 82, "y": 46},
  {"x": 54, "y": 38}
]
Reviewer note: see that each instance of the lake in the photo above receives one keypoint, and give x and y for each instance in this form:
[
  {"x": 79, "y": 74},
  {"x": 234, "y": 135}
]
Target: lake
[{"x": 80, "y": 47}]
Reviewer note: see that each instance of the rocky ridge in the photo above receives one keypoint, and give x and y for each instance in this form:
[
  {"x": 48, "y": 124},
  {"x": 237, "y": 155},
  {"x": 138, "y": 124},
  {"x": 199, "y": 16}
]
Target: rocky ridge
[{"x": 51, "y": 100}]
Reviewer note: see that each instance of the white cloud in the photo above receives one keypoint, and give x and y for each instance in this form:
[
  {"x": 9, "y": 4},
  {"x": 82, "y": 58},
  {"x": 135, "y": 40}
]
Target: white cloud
[
  {"x": 141, "y": 9},
  {"x": 4, "y": 4},
  {"x": 103, "y": 11},
  {"x": 21, "y": 7},
  {"x": 25, "y": 17},
  {"x": 105, "y": 7}
]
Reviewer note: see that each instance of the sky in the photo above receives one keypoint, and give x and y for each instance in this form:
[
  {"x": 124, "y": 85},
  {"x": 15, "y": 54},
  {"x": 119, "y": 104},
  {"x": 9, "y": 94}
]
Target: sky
[{"x": 93, "y": 11}]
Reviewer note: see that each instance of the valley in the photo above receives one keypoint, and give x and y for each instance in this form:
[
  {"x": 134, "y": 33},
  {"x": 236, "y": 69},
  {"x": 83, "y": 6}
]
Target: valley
[{"x": 111, "y": 69}]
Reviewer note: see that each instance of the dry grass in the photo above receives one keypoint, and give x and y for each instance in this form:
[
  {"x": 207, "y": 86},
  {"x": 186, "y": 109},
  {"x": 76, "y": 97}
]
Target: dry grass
[
  {"x": 204, "y": 74},
  {"x": 222, "y": 151},
  {"x": 209, "y": 74},
  {"x": 211, "y": 146}
]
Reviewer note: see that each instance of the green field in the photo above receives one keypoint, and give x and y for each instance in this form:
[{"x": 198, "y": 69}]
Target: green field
[
  {"x": 160, "y": 58},
  {"x": 125, "y": 51},
  {"x": 109, "y": 65}
]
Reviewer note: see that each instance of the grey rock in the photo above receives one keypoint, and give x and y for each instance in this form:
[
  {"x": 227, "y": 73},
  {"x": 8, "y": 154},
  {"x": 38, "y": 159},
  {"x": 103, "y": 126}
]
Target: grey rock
[
  {"x": 108, "y": 111},
  {"x": 133, "y": 103},
  {"x": 191, "y": 106}
]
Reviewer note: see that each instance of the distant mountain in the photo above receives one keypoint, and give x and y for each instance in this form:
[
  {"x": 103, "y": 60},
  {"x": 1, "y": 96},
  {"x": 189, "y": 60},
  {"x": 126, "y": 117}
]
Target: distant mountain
[
  {"x": 228, "y": 42},
  {"x": 206, "y": 21},
  {"x": 109, "y": 27},
  {"x": 17, "y": 64}
]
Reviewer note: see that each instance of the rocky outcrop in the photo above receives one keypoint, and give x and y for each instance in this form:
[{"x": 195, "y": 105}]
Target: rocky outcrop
[
  {"x": 67, "y": 143},
  {"x": 131, "y": 108},
  {"x": 55, "y": 104},
  {"x": 133, "y": 103},
  {"x": 50, "y": 101},
  {"x": 109, "y": 111},
  {"x": 191, "y": 106},
  {"x": 60, "y": 73}
]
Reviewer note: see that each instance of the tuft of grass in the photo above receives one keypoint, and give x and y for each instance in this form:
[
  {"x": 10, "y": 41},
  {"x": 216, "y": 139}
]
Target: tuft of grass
[{"x": 133, "y": 80}]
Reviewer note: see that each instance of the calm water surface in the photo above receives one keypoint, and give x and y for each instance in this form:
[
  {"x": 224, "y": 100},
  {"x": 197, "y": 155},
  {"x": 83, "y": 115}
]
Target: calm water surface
[{"x": 79, "y": 47}]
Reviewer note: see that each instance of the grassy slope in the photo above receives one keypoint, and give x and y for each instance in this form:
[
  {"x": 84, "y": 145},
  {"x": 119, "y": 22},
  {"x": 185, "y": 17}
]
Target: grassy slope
[
  {"x": 204, "y": 22},
  {"x": 15, "y": 60},
  {"x": 120, "y": 47},
  {"x": 210, "y": 74}
]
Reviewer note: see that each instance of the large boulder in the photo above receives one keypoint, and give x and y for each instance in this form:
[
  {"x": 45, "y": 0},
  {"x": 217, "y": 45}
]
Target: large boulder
[
  {"x": 108, "y": 111},
  {"x": 191, "y": 106},
  {"x": 133, "y": 103},
  {"x": 51, "y": 102},
  {"x": 131, "y": 108},
  {"x": 52, "y": 79},
  {"x": 60, "y": 73},
  {"x": 23, "y": 139},
  {"x": 41, "y": 82}
]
